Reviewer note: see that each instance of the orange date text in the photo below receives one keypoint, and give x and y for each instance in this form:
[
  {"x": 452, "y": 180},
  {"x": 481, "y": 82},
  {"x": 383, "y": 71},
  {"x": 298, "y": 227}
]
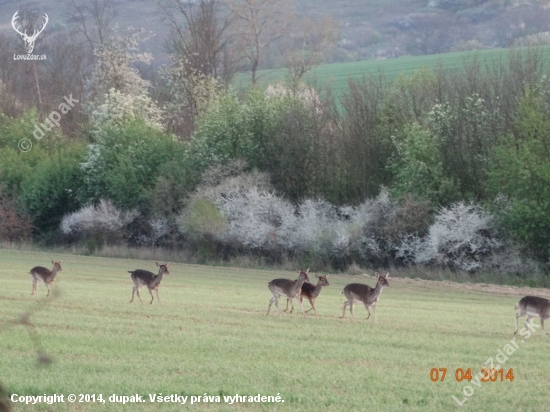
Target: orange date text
[{"x": 486, "y": 375}]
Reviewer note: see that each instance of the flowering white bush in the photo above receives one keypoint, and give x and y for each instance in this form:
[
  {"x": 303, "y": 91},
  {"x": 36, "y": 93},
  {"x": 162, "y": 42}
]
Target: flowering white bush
[
  {"x": 303, "y": 92},
  {"x": 538, "y": 39},
  {"x": 116, "y": 91},
  {"x": 114, "y": 65},
  {"x": 257, "y": 218},
  {"x": 460, "y": 237},
  {"x": 103, "y": 218},
  {"x": 319, "y": 229},
  {"x": 118, "y": 108},
  {"x": 244, "y": 211}
]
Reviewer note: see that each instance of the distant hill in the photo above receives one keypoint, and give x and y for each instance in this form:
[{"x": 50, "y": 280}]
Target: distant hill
[{"x": 373, "y": 29}]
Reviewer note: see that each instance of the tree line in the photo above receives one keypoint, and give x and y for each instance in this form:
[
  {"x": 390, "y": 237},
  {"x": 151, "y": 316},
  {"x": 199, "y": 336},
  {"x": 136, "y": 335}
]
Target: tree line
[{"x": 439, "y": 167}]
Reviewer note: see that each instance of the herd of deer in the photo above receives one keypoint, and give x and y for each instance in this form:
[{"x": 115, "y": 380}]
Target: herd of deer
[
  {"x": 140, "y": 278},
  {"x": 530, "y": 306},
  {"x": 301, "y": 288}
]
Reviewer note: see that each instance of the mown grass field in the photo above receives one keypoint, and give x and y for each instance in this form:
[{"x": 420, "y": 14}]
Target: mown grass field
[
  {"x": 211, "y": 335},
  {"x": 336, "y": 75}
]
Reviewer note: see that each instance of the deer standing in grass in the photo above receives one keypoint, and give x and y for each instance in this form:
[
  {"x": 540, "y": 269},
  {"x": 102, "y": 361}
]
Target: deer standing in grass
[
  {"x": 145, "y": 278},
  {"x": 287, "y": 287},
  {"x": 357, "y": 292},
  {"x": 532, "y": 306},
  {"x": 311, "y": 292},
  {"x": 45, "y": 275}
]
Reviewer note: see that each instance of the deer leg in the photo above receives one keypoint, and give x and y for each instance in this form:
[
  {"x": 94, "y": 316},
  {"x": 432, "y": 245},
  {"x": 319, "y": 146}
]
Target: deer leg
[
  {"x": 528, "y": 320},
  {"x": 311, "y": 303},
  {"x": 277, "y": 305},
  {"x": 301, "y": 306},
  {"x": 287, "y": 300},
  {"x": 157, "y": 291},
  {"x": 542, "y": 322},
  {"x": 47, "y": 287},
  {"x": 368, "y": 310},
  {"x": 34, "y": 282},
  {"x": 519, "y": 314},
  {"x": 136, "y": 290},
  {"x": 151, "y": 293},
  {"x": 292, "y": 303},
  {"x": 313, "y": 308},
  {"x": 346, "y": 303},
  {"x": 273, "y": 299},
  {"x": 351, "y": 308}
]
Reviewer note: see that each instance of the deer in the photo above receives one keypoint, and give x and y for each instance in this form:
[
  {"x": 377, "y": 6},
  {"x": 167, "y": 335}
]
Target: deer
[
  {"x": 142, "y": 277},
  {"x": 29, "y": 40},
  {"x": 532, "y": 306},
  {"x": 287, "y": 287},
  {"x": 311, "y": 292},
  {"x": 45, "y": 275},
  {"x": 358, "y": 292}
]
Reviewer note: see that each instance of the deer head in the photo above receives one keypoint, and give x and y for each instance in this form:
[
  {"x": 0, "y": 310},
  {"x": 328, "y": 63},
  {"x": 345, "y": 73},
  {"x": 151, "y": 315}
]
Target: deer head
[{"x": 29, "y": 40}]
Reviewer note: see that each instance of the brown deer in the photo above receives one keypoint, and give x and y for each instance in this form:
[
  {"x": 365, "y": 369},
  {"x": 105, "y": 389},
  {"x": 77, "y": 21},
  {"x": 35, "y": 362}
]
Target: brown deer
[
  {"x": 532, "y": 306},
  {"x": 357, "y": 292},
  {"x": 145, "y": 278},
  {"x": 311, "y": 292},
  {"x": 287, "y": 287},
  {"x": 45, "y": 275}
]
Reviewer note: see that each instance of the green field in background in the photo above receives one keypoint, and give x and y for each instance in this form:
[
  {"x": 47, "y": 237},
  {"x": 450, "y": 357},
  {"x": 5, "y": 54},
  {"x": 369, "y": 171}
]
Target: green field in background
[{"x": 336, "y": 75}]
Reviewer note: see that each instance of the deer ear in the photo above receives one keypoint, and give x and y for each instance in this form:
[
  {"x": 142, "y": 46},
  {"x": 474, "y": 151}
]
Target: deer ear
[
  {"x": 307, "y": 270},
  {"x": 376, "y": 274},
  {"x": 157, "y": 263},
  {"x": 166, "y": 264},
  {"x": 298, "y": 270},
  {"x": 317, "y": 277},
  {"x": 387, "y": 274},
  {"x": 60, "y": 262},
  {"x": 53, "y": 263}
]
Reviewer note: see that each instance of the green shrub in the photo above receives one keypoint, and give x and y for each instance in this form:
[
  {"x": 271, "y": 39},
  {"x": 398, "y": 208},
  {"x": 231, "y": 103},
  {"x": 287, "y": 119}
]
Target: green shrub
[
  {"x": 520, "y": 170},
  {"x": 126, "y": 163},
  {"x": 50, "y": 190}
]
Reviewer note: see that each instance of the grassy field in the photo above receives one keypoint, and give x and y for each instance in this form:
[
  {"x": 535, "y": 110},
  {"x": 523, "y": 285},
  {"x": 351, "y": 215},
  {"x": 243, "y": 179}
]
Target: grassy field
[
  {"x": 211, "y": 335},
  {"x": 336, "y": 75}
]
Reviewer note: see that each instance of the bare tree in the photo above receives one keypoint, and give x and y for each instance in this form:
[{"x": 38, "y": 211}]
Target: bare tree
[
  {"x": 93, "y": 19},
  {"x": 307, "y": 45},
  {"x": 65, "y": 74},
  {"x": 259, "y": 24},
  {"x": 432, "y": 33},
  {"x": 199, "y": 36}
]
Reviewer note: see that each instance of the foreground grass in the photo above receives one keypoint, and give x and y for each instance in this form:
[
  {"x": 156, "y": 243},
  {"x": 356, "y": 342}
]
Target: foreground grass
[{"x": 211, "y": 335}]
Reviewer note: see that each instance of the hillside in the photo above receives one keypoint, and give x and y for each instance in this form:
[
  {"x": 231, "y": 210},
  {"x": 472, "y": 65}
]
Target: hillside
[
  {"x": 368, "y": 30},
  {"x": 336, "y": 75}
]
